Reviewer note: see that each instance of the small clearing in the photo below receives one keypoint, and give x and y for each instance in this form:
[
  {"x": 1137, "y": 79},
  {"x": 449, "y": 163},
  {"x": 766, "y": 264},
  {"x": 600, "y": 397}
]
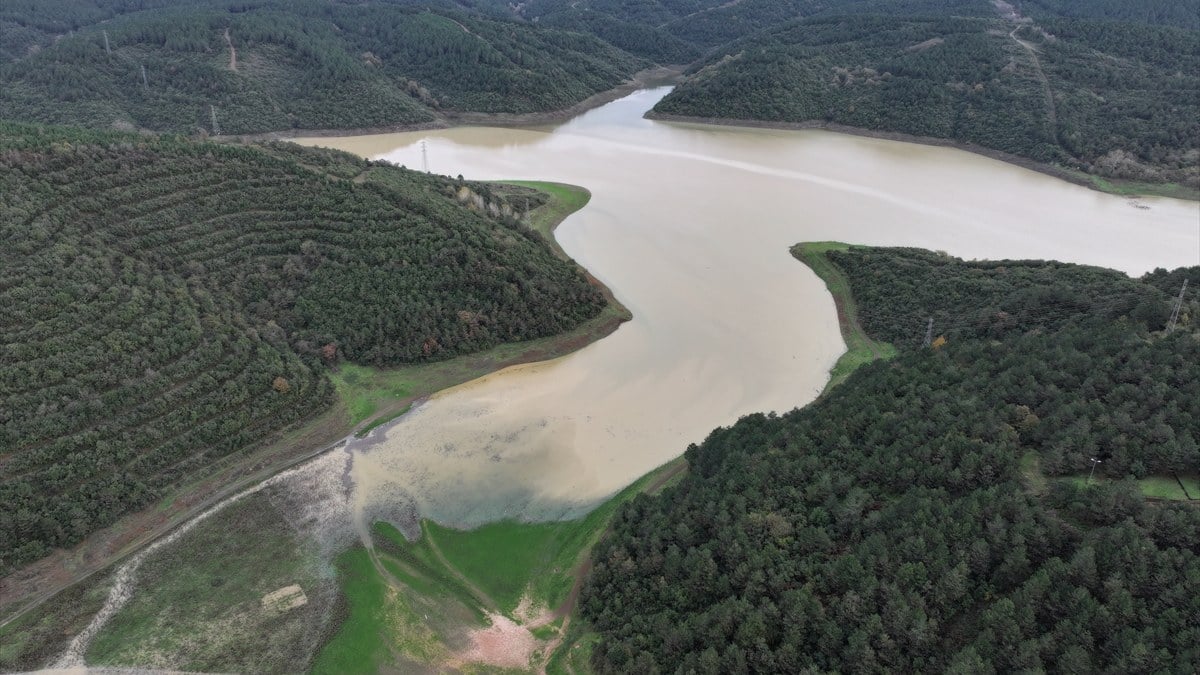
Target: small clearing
[
  {"x": 284, "y": 599},
  {"x": 504, "y": 644},
  {"x": 232, "y": 52},
  {"x": 1051, "y": 112},
  {"x": 922, "y": 46},
  {"x": 1011, "y": 13}
]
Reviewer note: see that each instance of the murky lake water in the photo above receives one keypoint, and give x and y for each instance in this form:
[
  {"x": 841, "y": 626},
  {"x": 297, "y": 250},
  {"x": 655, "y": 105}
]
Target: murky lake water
[{"x": 690, "y": 226}]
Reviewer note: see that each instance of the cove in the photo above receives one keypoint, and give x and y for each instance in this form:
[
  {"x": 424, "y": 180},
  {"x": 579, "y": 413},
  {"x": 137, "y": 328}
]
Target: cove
[{"x": 690, "y": 226}]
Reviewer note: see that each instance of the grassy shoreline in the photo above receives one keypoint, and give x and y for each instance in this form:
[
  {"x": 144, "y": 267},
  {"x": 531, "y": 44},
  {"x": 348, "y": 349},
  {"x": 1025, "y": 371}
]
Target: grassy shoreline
[
  {"x": 530, "y": 573},
  {"x": 387, "y": 392},
  {"x": 860, "y": 349}
]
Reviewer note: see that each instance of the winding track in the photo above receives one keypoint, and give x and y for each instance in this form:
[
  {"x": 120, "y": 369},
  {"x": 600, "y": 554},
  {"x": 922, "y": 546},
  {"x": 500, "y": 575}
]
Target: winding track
[
  {"x": 1051, "y": 111},
  {"x": 1011, "y": 13}
]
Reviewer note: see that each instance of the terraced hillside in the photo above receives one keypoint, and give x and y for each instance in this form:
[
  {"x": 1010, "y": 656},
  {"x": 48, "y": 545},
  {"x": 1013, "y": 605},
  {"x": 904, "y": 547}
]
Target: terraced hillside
[
  {"x": 235, "y": 68},
  {"x": 166, "y": 303}
]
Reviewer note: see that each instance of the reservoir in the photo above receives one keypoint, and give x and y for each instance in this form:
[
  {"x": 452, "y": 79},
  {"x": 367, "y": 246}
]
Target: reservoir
[{"x": 690, "y": 227}]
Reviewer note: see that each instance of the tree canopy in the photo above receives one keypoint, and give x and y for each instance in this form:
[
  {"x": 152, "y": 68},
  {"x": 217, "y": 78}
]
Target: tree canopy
[
  {"x": 165, "y": 303},
  {"x": 1117, "y": 100},
  {"x": 303, "y": 64},
  {"x": 905, "y": 522}
]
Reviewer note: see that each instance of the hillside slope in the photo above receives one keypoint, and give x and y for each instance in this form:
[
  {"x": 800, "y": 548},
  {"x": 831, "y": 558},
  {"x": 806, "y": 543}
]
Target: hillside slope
[
  {"x": 1114, "y": 100},
  {"x": 901, "y": 522},
  {"x": 678, "y": 31},
  {"x": 166, "y": 303},
  {"x": 236, "y": 68}
]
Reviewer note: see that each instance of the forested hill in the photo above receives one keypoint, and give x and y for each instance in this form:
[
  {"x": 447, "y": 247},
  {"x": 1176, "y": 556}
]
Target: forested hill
[
  {"x": 266, "y": 65},
  {"x": 678, "y": 31},
  {"x": 167, "y": 303},
  {"x": 1118, "y": 100},
  {"x": 913, "y": 519}
]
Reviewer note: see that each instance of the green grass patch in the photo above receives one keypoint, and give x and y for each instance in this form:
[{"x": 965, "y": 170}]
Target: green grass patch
[
  {"x": 574, "y": 656},
  {"x": 365, "y": 390},
  {"x": 1192, "y": 485},
  {"x": 360, "y": 644},
  {"x": 1162, "y": 487},
  {"x": 508, "y": 558},
  {"x": 423, "y": 571},
  {"x": 447, "y": 568},
  {"x": 502, "y": 558},
  {"x": 1129, "y": 188},
  {"x": 860, "y": 349},
  {"x": 382, "y": 419},
  {"x": 382, "y": 629},
  {"x": 1031, "y": 471},
  {"x": 564, "y": 200},
  {"x": 1156, "y": 487}
]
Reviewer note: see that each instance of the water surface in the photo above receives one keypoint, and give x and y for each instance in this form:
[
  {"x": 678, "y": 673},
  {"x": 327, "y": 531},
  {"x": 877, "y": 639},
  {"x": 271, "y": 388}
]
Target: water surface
[{"x": 690, "y": 226}]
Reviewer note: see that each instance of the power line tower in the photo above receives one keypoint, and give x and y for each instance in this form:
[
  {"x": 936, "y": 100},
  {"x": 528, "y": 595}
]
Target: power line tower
[
  {"x": 929, "y": 333},
  {"x": 145, "y": 82},
  {"x": 216, "y": 130},
  {"x": 1178, "y": 306},
  {"x": 107, "y": 50},
  {"x": 424, "y": 158}
]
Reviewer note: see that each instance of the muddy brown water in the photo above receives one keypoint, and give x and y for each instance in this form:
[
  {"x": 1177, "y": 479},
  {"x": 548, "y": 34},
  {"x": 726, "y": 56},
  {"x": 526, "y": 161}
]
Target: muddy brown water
[{"x": 690, "y": 226}]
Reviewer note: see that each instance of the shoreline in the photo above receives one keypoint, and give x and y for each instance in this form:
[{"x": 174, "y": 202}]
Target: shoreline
[
  {"x": 650, "y": 77},
  {"x": 860, "y": 348},
  {"x": 1132, "y": 189},
  {"x": 28, "y": 588}
]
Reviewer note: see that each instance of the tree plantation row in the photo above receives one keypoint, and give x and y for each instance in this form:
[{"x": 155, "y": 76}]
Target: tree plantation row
[{"x": 166, "y": 302}]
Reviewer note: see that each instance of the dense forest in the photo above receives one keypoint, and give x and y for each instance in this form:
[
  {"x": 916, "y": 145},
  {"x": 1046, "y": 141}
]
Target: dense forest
[
  {"x": 165, "y": 303},
  {"x": 679, "y": 29},
  {"x": 1178, "y": 13},
  {"x": 236, "y": 67},
  {"x": 909, "y": 521},
  {"x": 1113, "y": 99}
]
